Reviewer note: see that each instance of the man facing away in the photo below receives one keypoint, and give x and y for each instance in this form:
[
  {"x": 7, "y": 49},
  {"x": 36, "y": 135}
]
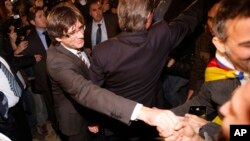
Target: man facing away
[{"x": 131, "y": 63}]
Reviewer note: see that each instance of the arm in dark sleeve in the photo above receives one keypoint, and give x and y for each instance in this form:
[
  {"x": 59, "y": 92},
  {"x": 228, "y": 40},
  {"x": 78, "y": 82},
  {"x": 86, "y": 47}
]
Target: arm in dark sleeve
[
  {"x": 87, "y": 94},
  {"x": 212, "y": 129},
  {"x": 23, "y": 62},
  {"x": 3, "y": 106},
  {"x": 202, "y": 99}
]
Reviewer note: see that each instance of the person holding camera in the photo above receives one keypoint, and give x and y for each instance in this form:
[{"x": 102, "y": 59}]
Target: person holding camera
[{"x": 18, "y": 43}]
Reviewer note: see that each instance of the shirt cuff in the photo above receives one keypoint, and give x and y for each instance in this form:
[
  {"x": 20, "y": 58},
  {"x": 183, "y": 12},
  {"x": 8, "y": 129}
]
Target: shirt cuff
[{"x": 136, "y": 111}]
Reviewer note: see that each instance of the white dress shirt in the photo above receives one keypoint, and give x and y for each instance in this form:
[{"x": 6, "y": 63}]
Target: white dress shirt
[{"x": 4, "y": 138}]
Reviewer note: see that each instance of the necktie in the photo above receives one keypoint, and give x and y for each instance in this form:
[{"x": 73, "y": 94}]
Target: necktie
[
  {"x": 99, "y": 34},
  {"x": 48, "y": 41},
  {"x": 83, "y": 57},
  {"x": 79, "y": 54},
  {"x": 12, "y": 81}
]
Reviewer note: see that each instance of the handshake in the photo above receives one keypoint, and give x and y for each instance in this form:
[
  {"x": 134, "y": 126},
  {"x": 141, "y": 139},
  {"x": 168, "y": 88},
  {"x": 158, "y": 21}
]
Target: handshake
[
  {"x": 172, "y": 127},
  {"x": 169, "y": 126}
]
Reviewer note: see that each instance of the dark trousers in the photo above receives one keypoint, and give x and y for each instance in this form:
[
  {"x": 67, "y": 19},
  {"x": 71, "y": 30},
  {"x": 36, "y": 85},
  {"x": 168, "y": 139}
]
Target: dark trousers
[{"x": 16, "y": 126}]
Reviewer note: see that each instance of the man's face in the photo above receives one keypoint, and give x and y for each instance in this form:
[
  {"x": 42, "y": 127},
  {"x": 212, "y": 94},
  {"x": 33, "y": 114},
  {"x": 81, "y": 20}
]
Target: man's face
[
  {"x": 95, "y": 11},
  {"x": 74, "y": 38},
  {"x": 236, "y": 111},
  {"x": 40, "y": 20},
  {"x": 237, "y": 45}
]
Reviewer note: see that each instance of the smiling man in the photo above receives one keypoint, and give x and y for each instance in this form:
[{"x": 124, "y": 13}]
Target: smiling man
[{"x": 231, "y": 67}]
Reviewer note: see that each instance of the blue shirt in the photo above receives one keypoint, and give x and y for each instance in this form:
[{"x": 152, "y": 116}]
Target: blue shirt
[
  {"x": 94, "y": 30},
  {"x": 42, "y": 37}
]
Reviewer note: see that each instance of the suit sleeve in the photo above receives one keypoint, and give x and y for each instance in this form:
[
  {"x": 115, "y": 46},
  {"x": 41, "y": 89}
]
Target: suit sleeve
[
  {"x": 171, "y": 34},
  {"x": 87, "y": 94},
  {"x": 202, "y": 99}
]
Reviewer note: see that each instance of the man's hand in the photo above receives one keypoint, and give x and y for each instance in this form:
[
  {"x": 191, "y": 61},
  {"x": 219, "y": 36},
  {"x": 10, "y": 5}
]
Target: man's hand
[
  {"x": 38, "y": 57},
  {"x": 195, "y": 121},
  {"x": 93, "y": 128},
  {"x": 183, "y": 131},
  {"x": 162, "y": 119}
]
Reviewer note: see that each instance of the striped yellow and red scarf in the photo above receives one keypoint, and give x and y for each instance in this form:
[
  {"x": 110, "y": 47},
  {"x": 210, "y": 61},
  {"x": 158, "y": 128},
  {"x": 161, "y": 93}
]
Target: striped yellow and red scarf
[{"x": 217, "y": 71}]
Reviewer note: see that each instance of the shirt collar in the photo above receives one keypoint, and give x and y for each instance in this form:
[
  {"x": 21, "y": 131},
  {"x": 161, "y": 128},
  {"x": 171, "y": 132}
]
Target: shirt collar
[
  {"x": 74, "y": 51},
  {"x": 224, "y": 61},
  {"x": 228, "y": 64},
  {"x": 40, "y": 31},
  {"x": 96, "y": 23}
]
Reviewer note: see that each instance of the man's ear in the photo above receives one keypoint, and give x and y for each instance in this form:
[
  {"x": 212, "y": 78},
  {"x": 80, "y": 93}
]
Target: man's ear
[
  {"x": 149, "y": 20},
  {"x": 58, "y": 39},
  {"x": 219, "y": 44},
  {"x": 32, "y": 22}
]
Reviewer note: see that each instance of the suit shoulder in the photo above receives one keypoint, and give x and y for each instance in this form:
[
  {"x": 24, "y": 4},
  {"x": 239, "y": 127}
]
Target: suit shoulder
[
  {"x": 110, "y": 43},
  {"x": 51, "y": 53},
  {"x": 222, "y": 86}
]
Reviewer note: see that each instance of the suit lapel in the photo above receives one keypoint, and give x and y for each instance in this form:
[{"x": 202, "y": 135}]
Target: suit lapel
[
  {"x": 37, "y": 41},
  {"x": 74, "y": 59},
  {"x": 106, "y": 24}
]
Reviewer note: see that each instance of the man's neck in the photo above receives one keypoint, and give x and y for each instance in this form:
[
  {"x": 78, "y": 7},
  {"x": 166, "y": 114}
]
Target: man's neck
[{"x": 40, "y": 28}]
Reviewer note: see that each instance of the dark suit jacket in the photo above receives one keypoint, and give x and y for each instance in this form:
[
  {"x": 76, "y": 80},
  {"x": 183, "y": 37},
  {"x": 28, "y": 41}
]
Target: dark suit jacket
[
  {"x": 130, "y": 64},
  {"x": 36, "y": 47},
  {"x": 212, "y": 94},
  {"x": 71, "y": 84},
  {"x": 112, "y": 27}
]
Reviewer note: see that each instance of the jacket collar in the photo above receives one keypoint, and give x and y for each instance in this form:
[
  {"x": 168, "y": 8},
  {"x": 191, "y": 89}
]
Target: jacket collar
[
  {"x": 136, "y": 38},
  {"x": 74, "y": 59}
]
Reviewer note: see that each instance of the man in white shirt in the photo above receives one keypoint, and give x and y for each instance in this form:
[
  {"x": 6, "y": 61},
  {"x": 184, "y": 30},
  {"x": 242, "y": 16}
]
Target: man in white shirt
[
  {"x": 13, "y": 122},
  {"x": 106, "y": 23}
]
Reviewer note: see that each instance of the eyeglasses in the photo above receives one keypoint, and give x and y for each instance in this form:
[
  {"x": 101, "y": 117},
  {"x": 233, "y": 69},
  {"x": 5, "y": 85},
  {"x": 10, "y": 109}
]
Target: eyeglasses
[{"x": 75, "y": 32}]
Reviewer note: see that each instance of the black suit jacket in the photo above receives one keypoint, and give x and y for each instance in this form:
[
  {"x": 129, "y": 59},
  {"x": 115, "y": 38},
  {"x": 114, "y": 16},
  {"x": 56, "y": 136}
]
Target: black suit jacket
[
  {"x": 112, "y": 27},
  {"x": 36, "y": 47},
  {"x": 130, "y": 64},
  {"x": 71, "y": 85}
]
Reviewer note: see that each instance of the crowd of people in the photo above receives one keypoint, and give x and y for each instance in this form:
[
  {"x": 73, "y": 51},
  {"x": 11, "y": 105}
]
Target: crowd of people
[{"x": 124, "y": 70}]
